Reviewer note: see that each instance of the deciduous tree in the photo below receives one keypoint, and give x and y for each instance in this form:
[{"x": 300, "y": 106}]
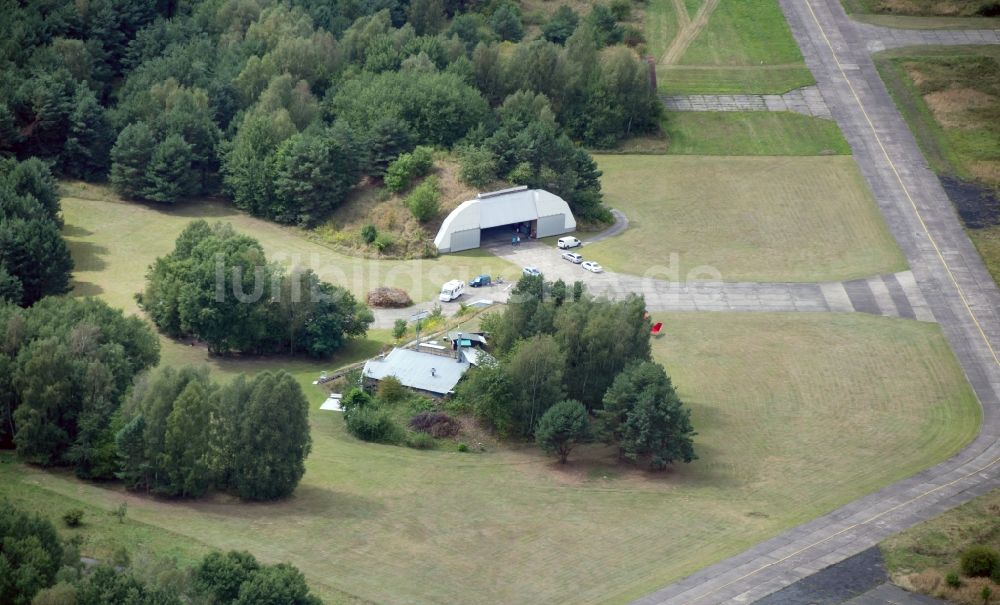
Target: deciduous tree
[{"x": 562, "y": 427}]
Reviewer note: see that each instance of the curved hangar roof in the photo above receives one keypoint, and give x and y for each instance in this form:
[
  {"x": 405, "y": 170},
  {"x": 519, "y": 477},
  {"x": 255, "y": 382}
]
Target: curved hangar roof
[{"x": 460, "y": 230}]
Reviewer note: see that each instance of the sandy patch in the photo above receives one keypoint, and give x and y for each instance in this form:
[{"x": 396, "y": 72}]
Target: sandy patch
[
  {"x": 986, "y": 171},
  {"x": 951, "y": 107}
]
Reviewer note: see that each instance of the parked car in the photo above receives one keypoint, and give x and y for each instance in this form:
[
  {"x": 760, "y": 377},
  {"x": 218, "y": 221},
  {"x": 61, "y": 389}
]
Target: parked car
[
  {"x": 568, "y": 242},
  {"x": 480, "y": 281},
  {"x": 452, "y": 290},
  {"x": 592, "y": 267},
  {"x": 531, "y": 271},
  {"x": 572, "y": 257}
]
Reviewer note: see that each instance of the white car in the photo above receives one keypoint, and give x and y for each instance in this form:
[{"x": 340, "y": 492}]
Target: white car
[
  {"x": 592, "y": 267},
  {"x": 568, "y": 242},
  {"x": 531, "y": 271},
  {"x": 572, "y": 257}
]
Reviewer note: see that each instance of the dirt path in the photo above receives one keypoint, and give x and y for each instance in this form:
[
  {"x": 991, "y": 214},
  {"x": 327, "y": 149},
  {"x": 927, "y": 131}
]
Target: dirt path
[
  {"x": 683, "y": 19},
  {"x": 689, "y": 31}
]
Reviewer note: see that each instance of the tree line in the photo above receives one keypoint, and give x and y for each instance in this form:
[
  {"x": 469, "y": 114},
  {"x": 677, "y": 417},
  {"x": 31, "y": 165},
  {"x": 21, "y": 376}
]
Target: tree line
[
  {"x": 182, "y": 435},
  {"x": 34, "y": 258},
  {"x": 284, "y": 107},
  {"x": 217, "y": 286},
  {"x": 71, "y": 395},
  {"x": 36, "y": 566},
  {"x": 572, "y": 368}
]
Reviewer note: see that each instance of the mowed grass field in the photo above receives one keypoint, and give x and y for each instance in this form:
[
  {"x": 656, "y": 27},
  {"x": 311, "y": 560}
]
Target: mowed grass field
[
  {"x": 751, "y": 133},
  {"x": 114, "y": 241},
  {"x": 749, "y": 218},
  {"x": 729, "y": 46},
  {"x": 796, "y": 415}
]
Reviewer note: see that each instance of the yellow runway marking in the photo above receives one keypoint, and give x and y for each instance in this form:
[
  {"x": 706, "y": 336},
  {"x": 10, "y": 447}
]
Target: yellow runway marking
[
  {"x": 843, "y": 531},
  {"x": 965, "y": 301},
  {"x": 906, "y": 191}
]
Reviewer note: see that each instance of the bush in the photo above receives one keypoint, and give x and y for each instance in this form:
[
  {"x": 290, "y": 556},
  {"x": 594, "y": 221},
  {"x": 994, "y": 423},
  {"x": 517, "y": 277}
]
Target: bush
[
  {"x": 372, "y": 424},
  {"x": 952, "y": 580},
  {"x": 383, "y": 242},
  {"x": 463, "y": 447},
  {"x": 391, "y": 390},
  {"x": 621, "y": 9},
  {"x": 399, "y": 328},
  {"x": 979, "y": 561},
  {"x": 389, "y": 298},
  {"x": 369, "y": 233},
  {"x": 425, "y": 201},
  {"x": 408, "y": 166},
  {"x": 436, "y": 424},
  {"x": 421, "y": 441},
  {"x": 73, "y": 517},
  {"x": 478, "y": 166},
  {"x": 423, "y": 160},
  {"x": 356, "y": 399}
]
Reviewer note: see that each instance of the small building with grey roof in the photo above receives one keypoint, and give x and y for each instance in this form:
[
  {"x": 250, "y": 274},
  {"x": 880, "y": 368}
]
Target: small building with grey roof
[{"x": 432, "y": 373}]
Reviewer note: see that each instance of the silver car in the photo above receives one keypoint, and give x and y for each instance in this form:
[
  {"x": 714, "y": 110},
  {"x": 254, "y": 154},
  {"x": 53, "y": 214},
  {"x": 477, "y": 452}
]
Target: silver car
[
  {"x": 592, "y": 267},
  {"x": 572, "y": 257}
]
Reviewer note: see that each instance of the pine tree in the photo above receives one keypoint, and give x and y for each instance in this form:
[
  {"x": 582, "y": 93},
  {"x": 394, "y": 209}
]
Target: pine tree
[
  {"x": 130, "y": 158},
  {"x": 87, "y": 153},
  {"x": 273, "y": 438},
  {"x": 188, "y": 453},
  {"x": 169, "y": 176}
]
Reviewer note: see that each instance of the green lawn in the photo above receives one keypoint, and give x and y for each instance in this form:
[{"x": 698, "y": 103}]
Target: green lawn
[
  {"x": 920, "y": 557},
  {"x": 744, "y": 33},
  {"x": 950, "y": 97},
  {"x": 923, "y": 14},
  {"x": 751, "y": 218},
  {"x": 113, "y": 242},
  {"x": 796, "y": 413},
  {"x": 776, "y": 79},
  {"x": 660, "y": 26},
  {"x": 751, "y": 133},
  {"x": 745, "y": 46}
]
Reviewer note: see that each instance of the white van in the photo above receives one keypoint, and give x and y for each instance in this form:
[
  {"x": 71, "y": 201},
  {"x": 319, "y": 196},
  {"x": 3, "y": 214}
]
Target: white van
[
  {"x": 452, "y": 290},
  {"x": 568, "y": 242}
]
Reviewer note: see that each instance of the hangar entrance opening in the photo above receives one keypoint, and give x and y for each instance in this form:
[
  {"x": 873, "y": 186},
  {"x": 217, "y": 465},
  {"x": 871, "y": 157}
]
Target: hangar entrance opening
[
  {"x": 493, "y": 236},
  {"x": 492, "y": 217}
]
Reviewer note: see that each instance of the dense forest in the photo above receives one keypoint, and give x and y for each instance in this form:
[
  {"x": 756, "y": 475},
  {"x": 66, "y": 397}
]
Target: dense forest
[{"x": 283, "y": 107}]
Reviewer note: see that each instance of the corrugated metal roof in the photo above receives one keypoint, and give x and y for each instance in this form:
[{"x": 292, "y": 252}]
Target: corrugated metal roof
[{"x": 413, "y": 369}]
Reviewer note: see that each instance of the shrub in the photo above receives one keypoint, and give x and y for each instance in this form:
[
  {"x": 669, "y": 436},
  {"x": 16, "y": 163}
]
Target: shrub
[
  {"x": 391, "y": 390},
  {"x": 73, "y": 517},
  {"x": 436, "y": 424},
  {"x": 369, "y": 233},
  {"x": 397, "y": 177},
  {"x": 388, "y": 298},
  {"x": 355, "y": 399},
  {"x": 398, "y": 328},
  {"x": 621, "y": 9},
  {"x": 408, "y": 166},
  {"x": 952, "y": 580},
  {"x": 463, "y": 447},
  {"x": 423, "y": 160},
  {"x": 383, "y": 242},
  {"x": 632, "y": 36},
  {"x": 979, "y": 561},
  {"x": 421, "y": 441},
  {"x": 372, "y": 424},
  {"x": 478, "y": 166},
  {"x": 425, "y": 201}
]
